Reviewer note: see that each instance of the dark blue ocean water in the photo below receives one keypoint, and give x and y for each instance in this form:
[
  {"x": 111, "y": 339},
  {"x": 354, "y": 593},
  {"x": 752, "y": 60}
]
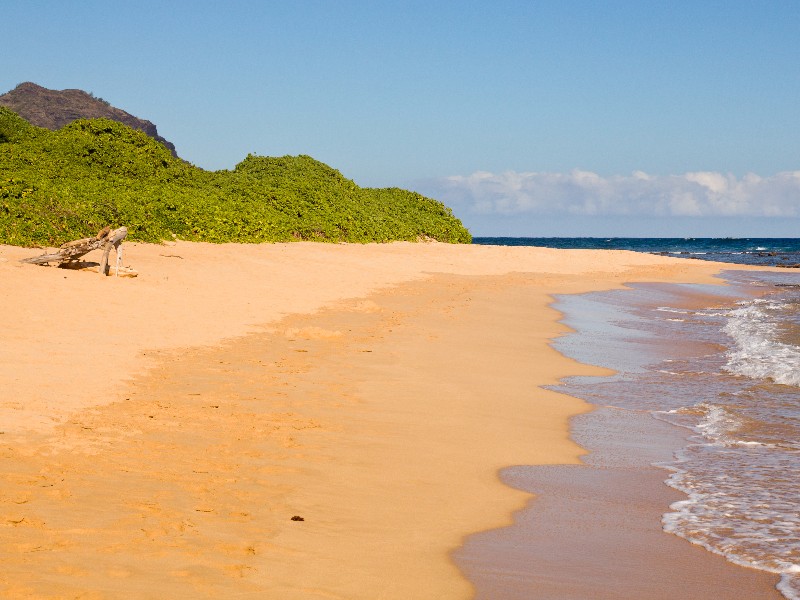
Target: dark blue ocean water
[{"x": 748, "y": 251}]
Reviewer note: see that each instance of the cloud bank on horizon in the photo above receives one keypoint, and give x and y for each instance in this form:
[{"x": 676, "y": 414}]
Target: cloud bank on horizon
[{"x": 584, "y": 193}]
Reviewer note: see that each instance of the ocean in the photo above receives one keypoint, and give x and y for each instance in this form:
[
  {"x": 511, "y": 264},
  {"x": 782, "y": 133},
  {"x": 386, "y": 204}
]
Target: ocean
[
  {"x": 781, "y": 252},
  {"x": 719, "y": 364}
]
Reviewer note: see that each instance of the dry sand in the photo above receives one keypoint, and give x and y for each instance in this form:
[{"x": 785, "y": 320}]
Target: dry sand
[{"x": 159, "y": 433}]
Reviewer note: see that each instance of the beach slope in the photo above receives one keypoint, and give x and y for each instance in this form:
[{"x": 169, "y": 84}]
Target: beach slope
[{"x": 280, "y": 421}]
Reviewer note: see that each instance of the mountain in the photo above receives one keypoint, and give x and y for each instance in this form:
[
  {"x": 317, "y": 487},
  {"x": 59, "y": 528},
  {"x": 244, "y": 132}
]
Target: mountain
[{"x": 53, "y": 109}]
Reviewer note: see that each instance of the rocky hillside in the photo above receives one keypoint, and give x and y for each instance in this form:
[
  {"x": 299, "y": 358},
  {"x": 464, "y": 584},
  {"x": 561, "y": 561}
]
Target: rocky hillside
[{"x": 52, "y": 109}]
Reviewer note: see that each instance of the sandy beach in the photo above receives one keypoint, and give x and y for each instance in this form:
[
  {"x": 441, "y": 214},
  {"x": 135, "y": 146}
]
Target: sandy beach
[{"x": 158, "y": 434}]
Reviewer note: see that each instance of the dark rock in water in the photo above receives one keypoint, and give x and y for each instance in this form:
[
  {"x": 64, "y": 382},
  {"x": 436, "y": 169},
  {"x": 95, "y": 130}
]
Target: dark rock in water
[{"x": 52, "y": 109}]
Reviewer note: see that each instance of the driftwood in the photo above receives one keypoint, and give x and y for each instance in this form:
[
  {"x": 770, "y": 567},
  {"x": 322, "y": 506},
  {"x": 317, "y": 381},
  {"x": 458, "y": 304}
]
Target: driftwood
[
  {"x": 114, "y": 240},
  {"x": 70, "y": 252}
]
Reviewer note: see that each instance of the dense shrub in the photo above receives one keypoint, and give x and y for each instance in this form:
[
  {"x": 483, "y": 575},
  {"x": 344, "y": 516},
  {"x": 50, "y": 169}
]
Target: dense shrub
[{"x": 62, "y": 185}]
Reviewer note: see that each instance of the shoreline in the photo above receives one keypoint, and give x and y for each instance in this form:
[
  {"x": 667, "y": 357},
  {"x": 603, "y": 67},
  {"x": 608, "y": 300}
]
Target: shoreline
[
  {"x": 595, "y": 529},
  {"x": 319, "y": 384}
]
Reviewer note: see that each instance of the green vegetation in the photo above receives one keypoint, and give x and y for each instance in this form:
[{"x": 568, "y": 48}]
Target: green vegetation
[{"x": 57, "y": 186}]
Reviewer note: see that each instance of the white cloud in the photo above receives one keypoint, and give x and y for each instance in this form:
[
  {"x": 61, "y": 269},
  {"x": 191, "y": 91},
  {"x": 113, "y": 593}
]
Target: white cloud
[{"x": 698, "y": 194}]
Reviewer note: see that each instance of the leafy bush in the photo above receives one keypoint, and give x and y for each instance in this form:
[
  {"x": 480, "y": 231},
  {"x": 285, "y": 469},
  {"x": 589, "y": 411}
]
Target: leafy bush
[{"x": 62, "y": 185}]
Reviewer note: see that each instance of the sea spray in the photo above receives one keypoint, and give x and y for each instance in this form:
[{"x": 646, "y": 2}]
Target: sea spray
[{"x": 755, "y": 328}]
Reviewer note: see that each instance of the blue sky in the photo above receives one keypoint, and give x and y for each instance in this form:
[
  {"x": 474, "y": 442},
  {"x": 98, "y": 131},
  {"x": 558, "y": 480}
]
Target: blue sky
[{"x": 501, "y": 109}]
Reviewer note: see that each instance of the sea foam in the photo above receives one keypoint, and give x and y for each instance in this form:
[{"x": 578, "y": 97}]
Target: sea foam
[{"x": 758, "y": 352}]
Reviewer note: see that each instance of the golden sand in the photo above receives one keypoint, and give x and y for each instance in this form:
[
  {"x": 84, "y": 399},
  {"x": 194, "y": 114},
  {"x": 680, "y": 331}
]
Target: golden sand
[{"x": 159, "y": 433}]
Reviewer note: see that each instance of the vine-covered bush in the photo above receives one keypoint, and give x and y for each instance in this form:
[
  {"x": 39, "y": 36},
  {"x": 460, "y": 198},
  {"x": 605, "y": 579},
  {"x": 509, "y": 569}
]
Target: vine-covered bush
[{"x": 63, "y": 185}]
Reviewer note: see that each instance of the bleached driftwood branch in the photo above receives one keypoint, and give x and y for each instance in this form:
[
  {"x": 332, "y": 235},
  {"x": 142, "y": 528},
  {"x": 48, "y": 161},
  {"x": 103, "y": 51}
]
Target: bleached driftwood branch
[{"x": 70, "y": 252}]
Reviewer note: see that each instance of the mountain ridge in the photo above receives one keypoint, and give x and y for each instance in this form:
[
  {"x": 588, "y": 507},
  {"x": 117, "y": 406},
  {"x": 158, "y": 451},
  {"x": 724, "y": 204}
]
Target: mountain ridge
[{"x": 53, "y": 109}]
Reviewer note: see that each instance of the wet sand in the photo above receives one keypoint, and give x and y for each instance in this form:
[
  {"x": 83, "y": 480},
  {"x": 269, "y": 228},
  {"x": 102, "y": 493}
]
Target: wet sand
[
  {"x": 595, "y": 532},
  {"x": 160, "y": 433}
]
